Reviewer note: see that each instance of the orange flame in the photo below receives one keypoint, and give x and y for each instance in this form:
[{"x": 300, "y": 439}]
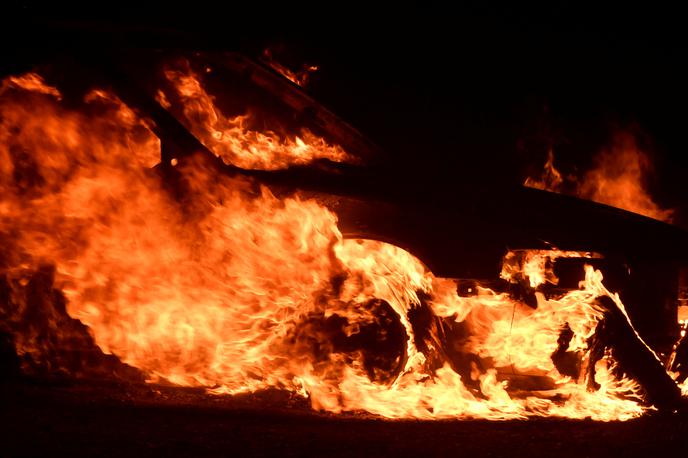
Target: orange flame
[
  {"x": 30, "y": 82},
  {"x": 551, "y": 179},
  {"x": 235, "y": 290},
  {"x": 535, "y": 265},
  {"x": 300, "y": 78},
  {"x": 231, "y": 139},
  {"x": 617, "y": 179}
]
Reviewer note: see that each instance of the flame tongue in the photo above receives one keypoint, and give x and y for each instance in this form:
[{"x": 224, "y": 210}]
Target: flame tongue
[
  {"x": 231, "y": 138},
  {"x": 238, "y": 291},
  {"x": 618, "y": 178}
]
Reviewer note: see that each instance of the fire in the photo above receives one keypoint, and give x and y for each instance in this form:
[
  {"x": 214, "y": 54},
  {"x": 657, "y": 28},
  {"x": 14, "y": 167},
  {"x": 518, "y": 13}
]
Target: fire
[
  {"x": 233, "y": 289},
  {"x": 618, "y": 178},
  {"x": 551, "y": 179},
  {"x": 231, "y": 138},
  {"x": 300, "y": 77},
  {"x": 31, "y": 82},
  {"x": 532, "y": 265}
]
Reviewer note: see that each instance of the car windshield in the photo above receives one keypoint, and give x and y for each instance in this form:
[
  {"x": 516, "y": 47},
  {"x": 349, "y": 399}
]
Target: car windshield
[{"x": 246, "y": 114}]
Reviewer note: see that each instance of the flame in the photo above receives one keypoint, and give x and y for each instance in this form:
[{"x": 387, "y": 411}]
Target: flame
[
  {"x": 231, "y": 138},
  {"x": 30, "y": 82},
  {"x": 551, "y": 179},
  {"x": 299, "y": 78},
  {"x": 536, "y": 265},
  {"x": 684, "y": 388},
  {"x": 618, "y": 178},
  {"x": 233, "y": 289}
]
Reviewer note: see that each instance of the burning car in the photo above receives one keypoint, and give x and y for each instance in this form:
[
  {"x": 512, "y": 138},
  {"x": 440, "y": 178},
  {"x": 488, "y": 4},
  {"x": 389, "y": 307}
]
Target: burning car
[{"x": 197, "y": 219}]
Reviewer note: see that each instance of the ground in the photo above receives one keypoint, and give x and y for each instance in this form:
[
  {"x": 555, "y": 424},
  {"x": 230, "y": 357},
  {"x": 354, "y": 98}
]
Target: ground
[{"x": 86, "y": 419}]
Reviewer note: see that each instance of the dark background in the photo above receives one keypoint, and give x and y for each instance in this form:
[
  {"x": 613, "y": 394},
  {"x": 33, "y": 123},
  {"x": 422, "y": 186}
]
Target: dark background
[{"x": 473, "y": 94}]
